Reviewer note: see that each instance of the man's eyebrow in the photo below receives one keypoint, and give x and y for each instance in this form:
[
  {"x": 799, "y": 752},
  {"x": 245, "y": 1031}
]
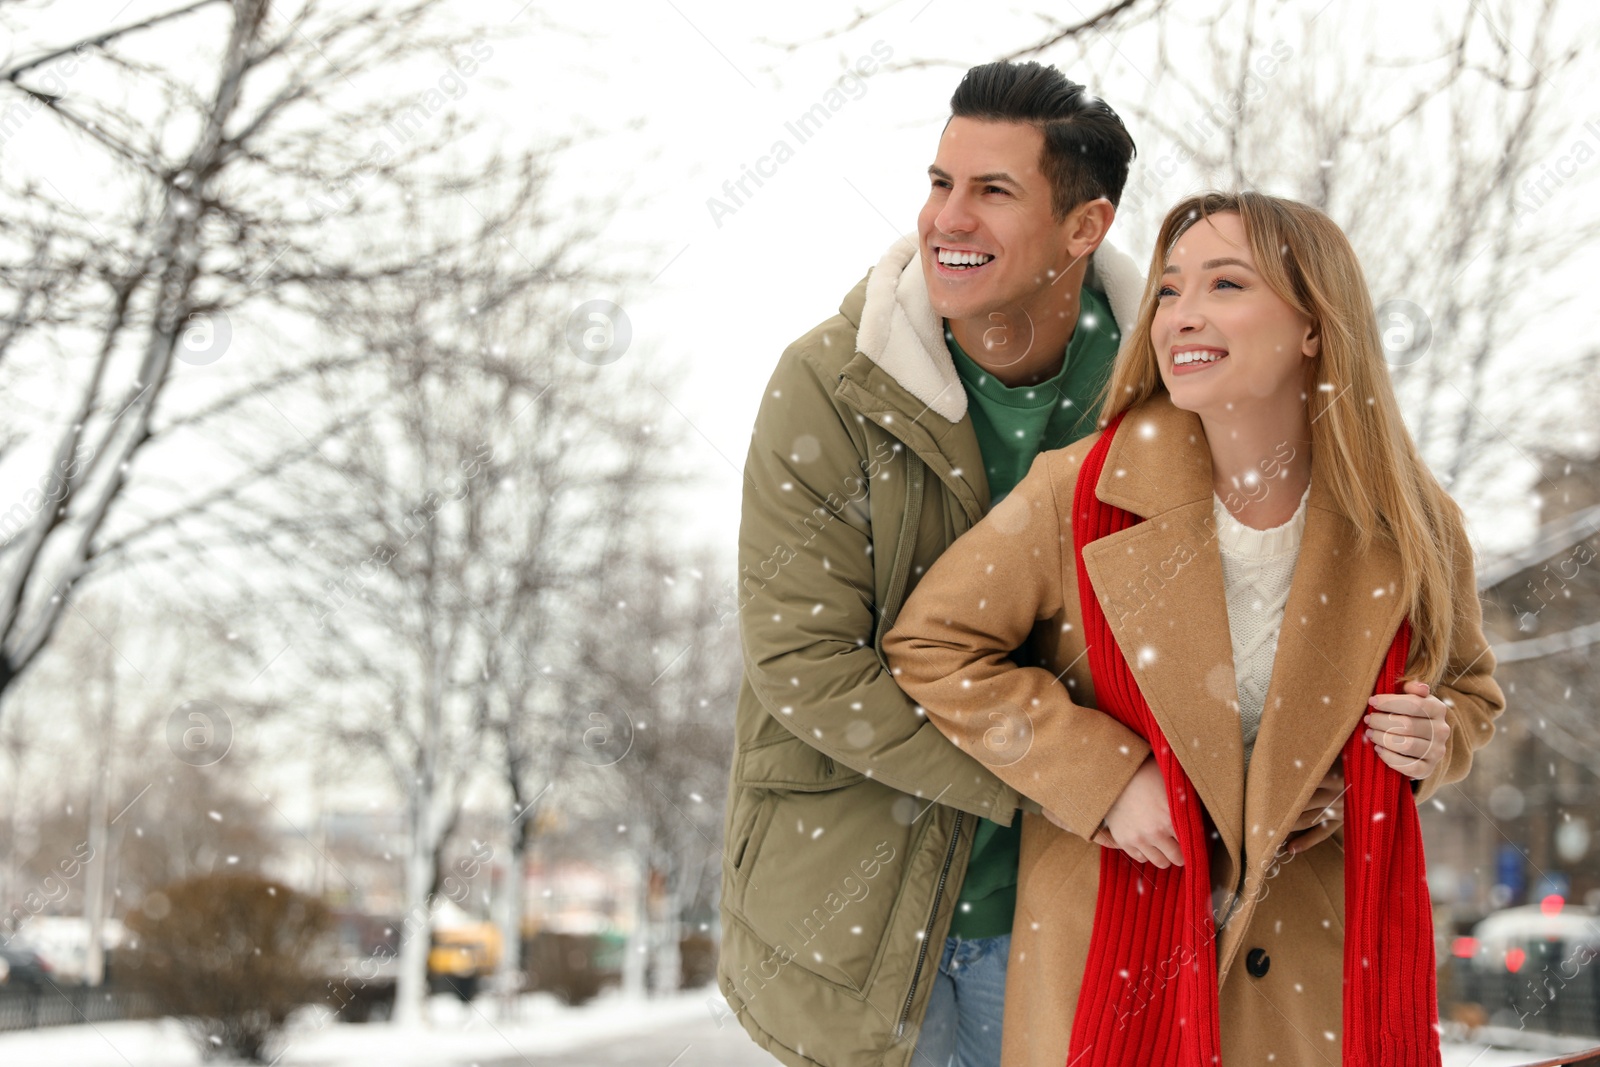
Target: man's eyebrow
[
  {"x": 1213, "y": 264},
  {"x": 984, "y": 179}
]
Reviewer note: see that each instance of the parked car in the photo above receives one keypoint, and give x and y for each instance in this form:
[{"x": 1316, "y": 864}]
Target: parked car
[
  {"x": 23, "y": 969},
  {"x": 1529, "y": 968},
  {"x": 461, "y": 957},
  {"x": 1535, "y": 937},
  {"x": 364, "y": 969}
]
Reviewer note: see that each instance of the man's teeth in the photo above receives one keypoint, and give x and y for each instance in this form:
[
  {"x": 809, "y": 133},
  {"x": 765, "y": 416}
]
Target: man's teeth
[
  {"x": 962, "y": 260},
  {"x": 1209, "y": 355}
]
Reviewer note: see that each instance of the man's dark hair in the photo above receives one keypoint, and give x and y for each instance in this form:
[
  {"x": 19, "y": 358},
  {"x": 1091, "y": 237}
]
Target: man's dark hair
[{"x": 1086, "y": 147}]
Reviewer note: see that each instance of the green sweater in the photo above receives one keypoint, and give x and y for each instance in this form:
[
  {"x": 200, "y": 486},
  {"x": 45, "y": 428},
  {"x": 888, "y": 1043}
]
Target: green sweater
[{"x": 1013, "y": 426}]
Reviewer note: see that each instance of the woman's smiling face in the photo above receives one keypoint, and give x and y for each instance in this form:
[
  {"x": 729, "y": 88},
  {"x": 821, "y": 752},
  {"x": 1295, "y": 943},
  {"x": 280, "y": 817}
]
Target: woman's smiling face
[{"x": 1224, "y": 340}]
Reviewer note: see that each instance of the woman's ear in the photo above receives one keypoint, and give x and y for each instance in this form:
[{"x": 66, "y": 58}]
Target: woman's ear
[{"x": 1311, "y": 345}]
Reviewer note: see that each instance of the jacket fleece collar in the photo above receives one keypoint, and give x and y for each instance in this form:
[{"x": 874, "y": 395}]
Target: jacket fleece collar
[{"x": 901, "y": 333}]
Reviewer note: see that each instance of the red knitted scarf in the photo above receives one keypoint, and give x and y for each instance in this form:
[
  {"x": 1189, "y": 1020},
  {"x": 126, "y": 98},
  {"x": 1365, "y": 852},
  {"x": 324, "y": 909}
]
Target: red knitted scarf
[{"x": 1149, "y": 993}]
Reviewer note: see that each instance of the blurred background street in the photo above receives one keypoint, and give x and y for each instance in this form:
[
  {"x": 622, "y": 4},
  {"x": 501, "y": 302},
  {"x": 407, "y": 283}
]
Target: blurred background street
[{"x": 377, "y": 380}]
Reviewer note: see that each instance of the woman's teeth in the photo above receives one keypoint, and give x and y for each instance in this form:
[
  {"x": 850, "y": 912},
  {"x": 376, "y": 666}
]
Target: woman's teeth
[{"x": 1209, "y": 355}]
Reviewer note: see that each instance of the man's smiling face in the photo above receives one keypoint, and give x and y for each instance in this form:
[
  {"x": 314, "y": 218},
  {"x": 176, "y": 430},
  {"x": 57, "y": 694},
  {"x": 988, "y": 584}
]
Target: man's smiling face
[{"x": 989, "y": 240}]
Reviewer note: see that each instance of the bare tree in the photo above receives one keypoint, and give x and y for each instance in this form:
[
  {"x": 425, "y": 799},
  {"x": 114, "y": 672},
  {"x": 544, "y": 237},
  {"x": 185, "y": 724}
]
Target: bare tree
[
  {"x": 660, "y": 673},
  {"x": 1436, "y": 157},
  {"x": 129, "y": 813},
  {"x": 434, "y": 292},
  {"x": 579, "y": 516},
  {"x": 23, "y": 746},
  {"x": 460, "y": 516},
  {"x": 1107, "y": 22},
  {"x": 223, "y": 191}
]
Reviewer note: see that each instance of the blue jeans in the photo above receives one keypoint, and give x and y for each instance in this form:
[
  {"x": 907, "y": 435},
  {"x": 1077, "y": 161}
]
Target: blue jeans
[{"x": 962, "y": 1027}]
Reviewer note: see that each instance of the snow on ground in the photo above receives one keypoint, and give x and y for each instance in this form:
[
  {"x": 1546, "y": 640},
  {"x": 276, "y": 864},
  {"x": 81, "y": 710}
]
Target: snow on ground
[
  {"x": 457, "y": 1033},
  {"x": 1484, "y": 1056},
  {"x": 1505, "y": 1046}
]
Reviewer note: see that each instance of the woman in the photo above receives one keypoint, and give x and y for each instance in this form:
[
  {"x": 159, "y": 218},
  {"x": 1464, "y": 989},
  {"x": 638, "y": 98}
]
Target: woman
[{"x": 1252, "y": 570}]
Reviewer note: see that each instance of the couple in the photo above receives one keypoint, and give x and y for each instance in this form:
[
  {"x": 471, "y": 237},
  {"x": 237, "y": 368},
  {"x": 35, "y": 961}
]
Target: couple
[{"x": 1101, "y": 636}]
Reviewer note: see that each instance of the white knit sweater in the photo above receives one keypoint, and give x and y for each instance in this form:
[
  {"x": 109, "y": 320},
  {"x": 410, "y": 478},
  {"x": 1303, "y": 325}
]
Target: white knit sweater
[{"x": 1257, "y": 567}]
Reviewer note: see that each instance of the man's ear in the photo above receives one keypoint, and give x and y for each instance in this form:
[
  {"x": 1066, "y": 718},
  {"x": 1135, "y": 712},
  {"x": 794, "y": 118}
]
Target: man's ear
[{"x": 1088, "y": 225}]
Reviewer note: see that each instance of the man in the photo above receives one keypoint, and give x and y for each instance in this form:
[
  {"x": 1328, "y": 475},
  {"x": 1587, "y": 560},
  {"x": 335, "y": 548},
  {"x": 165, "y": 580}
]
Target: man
[{"x": 870, "y": 867}]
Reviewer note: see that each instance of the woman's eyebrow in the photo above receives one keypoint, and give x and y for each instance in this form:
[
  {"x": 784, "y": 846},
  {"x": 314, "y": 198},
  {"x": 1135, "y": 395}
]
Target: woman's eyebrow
[{"x": 1212, "y": 264}]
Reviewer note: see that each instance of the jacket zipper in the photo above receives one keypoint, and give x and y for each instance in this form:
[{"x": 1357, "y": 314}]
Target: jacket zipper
[{"x": 927, "y": 935}]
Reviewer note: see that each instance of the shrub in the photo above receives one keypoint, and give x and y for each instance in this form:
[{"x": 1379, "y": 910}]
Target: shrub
[{"x": 232, "y": 955}]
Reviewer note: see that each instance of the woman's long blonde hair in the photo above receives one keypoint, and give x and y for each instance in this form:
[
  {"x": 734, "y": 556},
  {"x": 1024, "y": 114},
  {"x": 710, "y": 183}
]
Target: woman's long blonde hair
[{"x": 1359, "y": 442}]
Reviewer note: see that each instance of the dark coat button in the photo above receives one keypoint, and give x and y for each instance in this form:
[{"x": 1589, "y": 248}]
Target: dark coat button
[{"x": 1257, "y": 962}]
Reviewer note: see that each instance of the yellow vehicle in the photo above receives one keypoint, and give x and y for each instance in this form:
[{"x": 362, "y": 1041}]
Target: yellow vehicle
[{"x": 461, "y": 956}]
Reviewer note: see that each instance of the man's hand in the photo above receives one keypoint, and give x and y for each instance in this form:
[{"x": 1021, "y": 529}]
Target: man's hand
[
  {"x": 1409, "y": 730},
  {"x": 1140, "y": 823},
  {"x": 1324, "y": 812}
]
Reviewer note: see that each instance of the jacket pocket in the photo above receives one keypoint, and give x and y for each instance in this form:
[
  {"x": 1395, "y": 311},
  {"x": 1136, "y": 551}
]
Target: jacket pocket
[
  {"x": 824, "y": 869},
  {"x": 746, "y": 841},
  {"x": 788, "y": 763}
]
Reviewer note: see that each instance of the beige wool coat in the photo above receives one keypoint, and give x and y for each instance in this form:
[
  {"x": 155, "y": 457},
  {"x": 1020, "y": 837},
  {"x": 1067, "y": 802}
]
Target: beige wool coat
[{"x": 1011, "y": 581}]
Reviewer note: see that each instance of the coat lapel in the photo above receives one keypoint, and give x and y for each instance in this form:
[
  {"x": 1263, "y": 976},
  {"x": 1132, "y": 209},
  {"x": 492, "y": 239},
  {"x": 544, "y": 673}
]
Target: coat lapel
[
  {"x": 1160, "y": 584},
  {"x": 1341, "y": 617}
]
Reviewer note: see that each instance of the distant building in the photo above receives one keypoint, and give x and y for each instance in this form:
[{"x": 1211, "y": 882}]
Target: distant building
[{"x": 1526, "y": 822}]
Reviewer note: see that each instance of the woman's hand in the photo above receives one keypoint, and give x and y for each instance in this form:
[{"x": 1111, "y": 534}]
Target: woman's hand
[
  {"x": 1140, "y": 823},
  {"x": 1323, "y": 814},
  {"x": 1409, "y": 730}
]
